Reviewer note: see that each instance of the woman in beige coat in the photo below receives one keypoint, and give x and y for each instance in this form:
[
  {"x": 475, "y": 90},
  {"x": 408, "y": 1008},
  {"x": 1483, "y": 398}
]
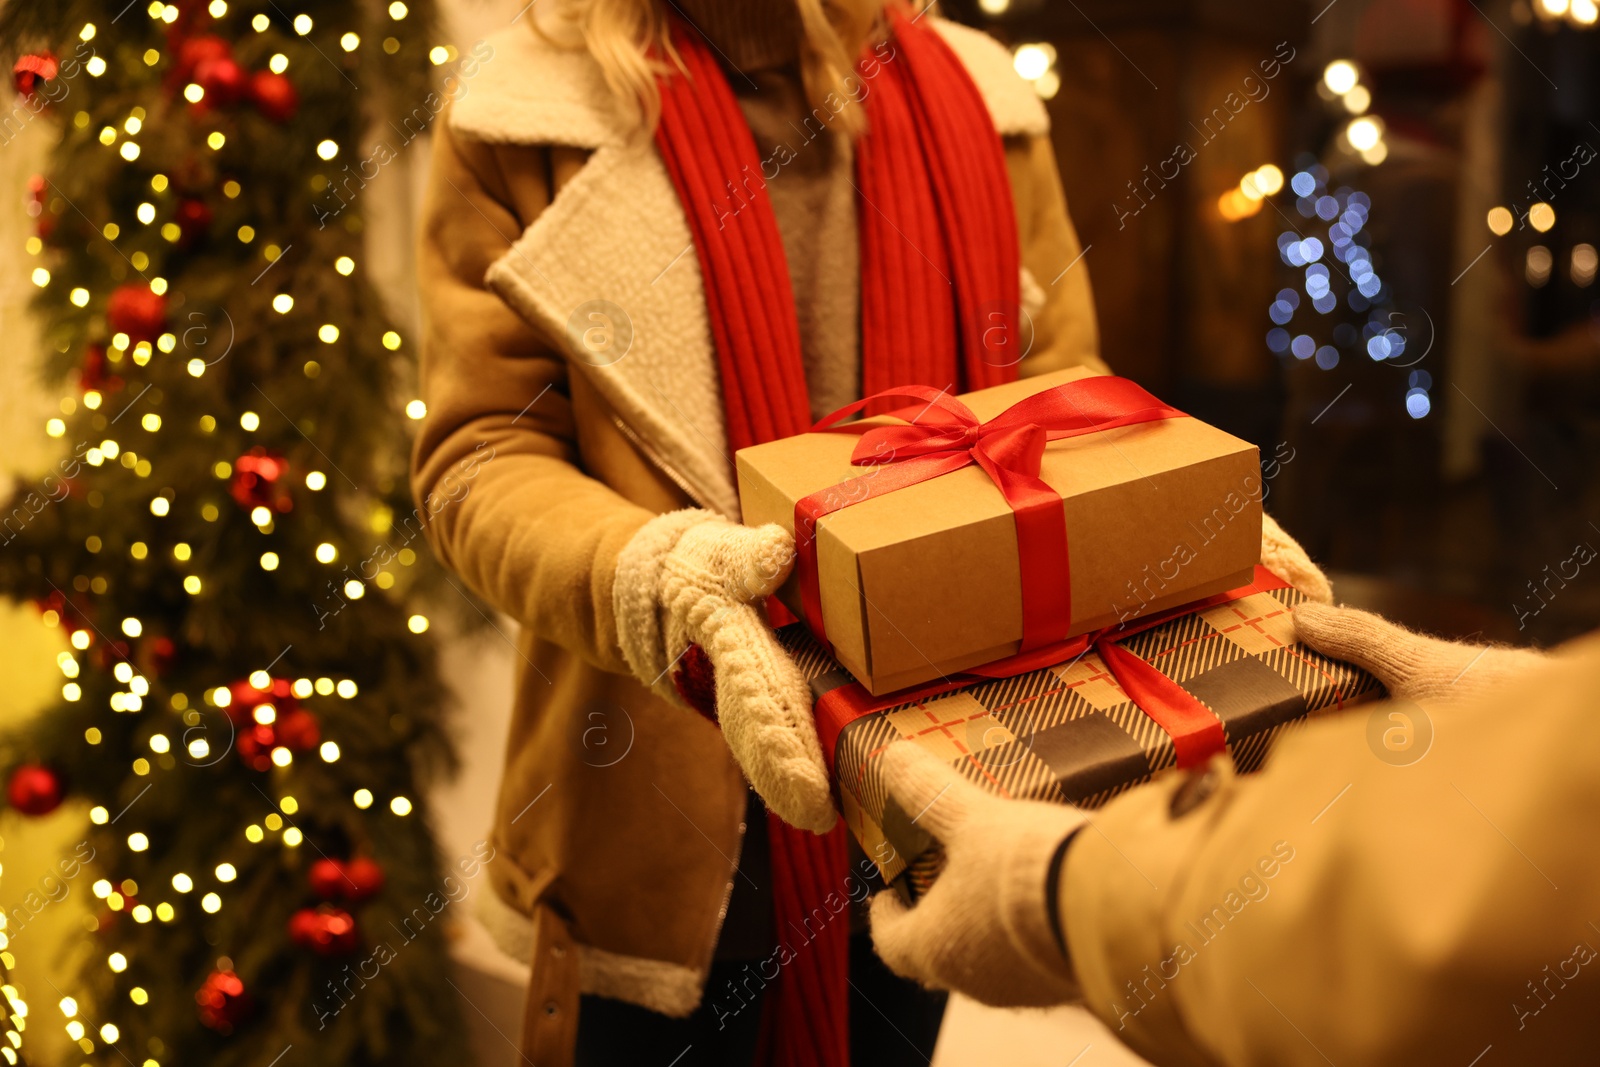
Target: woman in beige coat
[
  {"x": 575, "y": 470},
  {"x": 572, "y": 396}
]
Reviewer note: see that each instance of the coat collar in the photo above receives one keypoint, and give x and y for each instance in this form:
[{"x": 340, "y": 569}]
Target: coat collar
[{"x": 609, "y": 267}]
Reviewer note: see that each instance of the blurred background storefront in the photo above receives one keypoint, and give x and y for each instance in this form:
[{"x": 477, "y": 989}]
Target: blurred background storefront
[{"x": 1361, "y": 233}]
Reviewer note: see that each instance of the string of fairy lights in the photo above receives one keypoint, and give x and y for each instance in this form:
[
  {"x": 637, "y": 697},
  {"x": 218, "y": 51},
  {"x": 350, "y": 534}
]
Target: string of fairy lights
[
  {"x": 16, "y": 1009},
  {"x": 262, "y": 694}
]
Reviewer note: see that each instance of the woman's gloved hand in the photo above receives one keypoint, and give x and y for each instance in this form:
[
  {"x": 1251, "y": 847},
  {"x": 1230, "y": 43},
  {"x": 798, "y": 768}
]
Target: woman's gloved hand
[
  {"x": 687, "y": 594},
  {"x": 985, "y": 928},
  {"x": 1283, "y": 556},
  {"x": 1410, "y": 665}
]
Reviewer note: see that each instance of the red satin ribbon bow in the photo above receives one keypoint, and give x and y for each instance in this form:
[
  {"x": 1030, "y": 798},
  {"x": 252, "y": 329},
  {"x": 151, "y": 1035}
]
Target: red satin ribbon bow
[{"x": 945, "y": 436}]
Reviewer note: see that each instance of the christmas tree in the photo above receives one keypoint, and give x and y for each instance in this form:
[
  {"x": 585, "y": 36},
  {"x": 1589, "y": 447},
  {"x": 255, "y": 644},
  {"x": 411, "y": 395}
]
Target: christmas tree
[{"x": 248, "y": 711}]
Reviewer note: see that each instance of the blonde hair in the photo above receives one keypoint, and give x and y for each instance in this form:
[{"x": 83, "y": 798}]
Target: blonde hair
[{"x": 623, "y": 34}]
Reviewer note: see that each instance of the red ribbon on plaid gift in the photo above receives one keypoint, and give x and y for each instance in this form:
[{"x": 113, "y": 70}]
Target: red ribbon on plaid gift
[
  {"x": 945, "y": 436},
  {"x": 1196, "y": 732}
]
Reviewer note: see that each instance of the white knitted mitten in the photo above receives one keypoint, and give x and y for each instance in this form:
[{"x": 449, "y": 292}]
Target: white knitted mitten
[
  {"x": 1283, "y": 556},
  {"x": 1410, "y": 665},
  {"x": 691, "y": 579},
  {"x": 984, "y": 928}
]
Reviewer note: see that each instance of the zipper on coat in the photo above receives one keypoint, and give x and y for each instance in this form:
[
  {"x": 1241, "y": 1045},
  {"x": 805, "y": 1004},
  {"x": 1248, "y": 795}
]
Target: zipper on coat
[{"x": 727, "y": 892}]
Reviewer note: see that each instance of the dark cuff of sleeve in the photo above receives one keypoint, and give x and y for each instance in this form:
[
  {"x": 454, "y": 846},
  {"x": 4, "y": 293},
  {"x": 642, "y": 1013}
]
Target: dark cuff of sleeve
[{"x": 1052, "y": 893}]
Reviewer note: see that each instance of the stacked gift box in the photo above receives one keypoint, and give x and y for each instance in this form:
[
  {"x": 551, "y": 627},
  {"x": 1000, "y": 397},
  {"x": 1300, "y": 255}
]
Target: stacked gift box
[
  {"x": 1051, "y": 585},
  {"x": 1069, "y": 732}
]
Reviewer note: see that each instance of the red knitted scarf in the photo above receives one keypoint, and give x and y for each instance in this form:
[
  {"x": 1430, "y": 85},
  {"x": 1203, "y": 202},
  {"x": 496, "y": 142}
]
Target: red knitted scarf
[{"x": 939, "y": 301}]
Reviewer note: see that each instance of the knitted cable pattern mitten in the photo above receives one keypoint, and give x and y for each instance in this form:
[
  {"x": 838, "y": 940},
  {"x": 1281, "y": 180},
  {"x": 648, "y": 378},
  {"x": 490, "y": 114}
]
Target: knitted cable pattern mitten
[{"x": 692, "y": 580}]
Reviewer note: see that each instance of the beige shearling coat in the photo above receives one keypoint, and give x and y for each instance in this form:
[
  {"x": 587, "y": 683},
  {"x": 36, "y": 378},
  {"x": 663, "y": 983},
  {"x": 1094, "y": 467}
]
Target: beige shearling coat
[
  {"x": 547, "y": 446},
  {"x": 1396, "y": 886}
]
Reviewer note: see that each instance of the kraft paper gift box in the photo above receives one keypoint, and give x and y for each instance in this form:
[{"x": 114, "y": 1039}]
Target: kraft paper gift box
[
  {"x": 928, "y": 579},
  {"x": 1069, "y": 732}
]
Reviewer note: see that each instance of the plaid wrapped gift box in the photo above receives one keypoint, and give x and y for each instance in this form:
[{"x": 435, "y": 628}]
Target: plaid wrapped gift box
[{"x": 1069, "y": 732}]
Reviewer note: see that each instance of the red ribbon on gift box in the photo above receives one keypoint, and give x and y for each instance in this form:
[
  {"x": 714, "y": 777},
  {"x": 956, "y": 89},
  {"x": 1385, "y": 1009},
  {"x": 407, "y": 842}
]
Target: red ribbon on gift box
[
  {"x": 946, "y": 436},
  {"x": 1197, "y": 734}
]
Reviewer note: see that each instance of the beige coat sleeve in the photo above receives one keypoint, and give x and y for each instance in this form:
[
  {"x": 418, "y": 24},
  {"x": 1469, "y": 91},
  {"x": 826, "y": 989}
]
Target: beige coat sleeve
[
  {"x": 1061, "y": 309},
  {"x": 1343, "y": 907},
  {"x": 495, "y": 469}
]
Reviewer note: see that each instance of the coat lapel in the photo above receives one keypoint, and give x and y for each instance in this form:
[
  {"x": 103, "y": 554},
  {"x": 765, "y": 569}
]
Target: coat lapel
[{"x": 609, "y": 268}]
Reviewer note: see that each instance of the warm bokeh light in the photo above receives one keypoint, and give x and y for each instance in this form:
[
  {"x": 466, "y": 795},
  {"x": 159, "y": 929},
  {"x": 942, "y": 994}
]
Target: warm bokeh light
[
  {"x": 1363, "y": 133},
  {"x": 1537, "y": 267},
  {"x": 1584, "y": 262},
  {"x": 1234, "y": 205},
  {"x": 1033, "y": 60},
  {"x": 1340, "y": 76}
]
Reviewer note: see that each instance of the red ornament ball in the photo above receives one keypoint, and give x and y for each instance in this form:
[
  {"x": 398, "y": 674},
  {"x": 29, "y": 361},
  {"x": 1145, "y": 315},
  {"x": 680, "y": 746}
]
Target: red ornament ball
[
  {"x": 255, "y": 744},
  {"x": 162, "y": 653},
  {"x": 201, "y": 49},
  {"x": 222, "y": 1001},
  {"x": 327, "y": 880},
  {"x": 244, "y": 698},
  {"x": 274, "y": 95},
  {"x": 303, "y": 926},
  {"x": 295, "y": 729},
  {"x": 33, "y": 70},
  {"x": 136, "y": 310},
  {"x": 193, "y": 218},
  {"x": 365, "y": 878},
  {"x": 289, "y": 725},
  {"x": 223, "y": 79},
  {"x": 35, "y": 790},
  {"x": 353, "y": 880},
  {"x": 298, "y": 730},
  {"x": 259, "y": 481},
  {"x": 325, "y": 930}
]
